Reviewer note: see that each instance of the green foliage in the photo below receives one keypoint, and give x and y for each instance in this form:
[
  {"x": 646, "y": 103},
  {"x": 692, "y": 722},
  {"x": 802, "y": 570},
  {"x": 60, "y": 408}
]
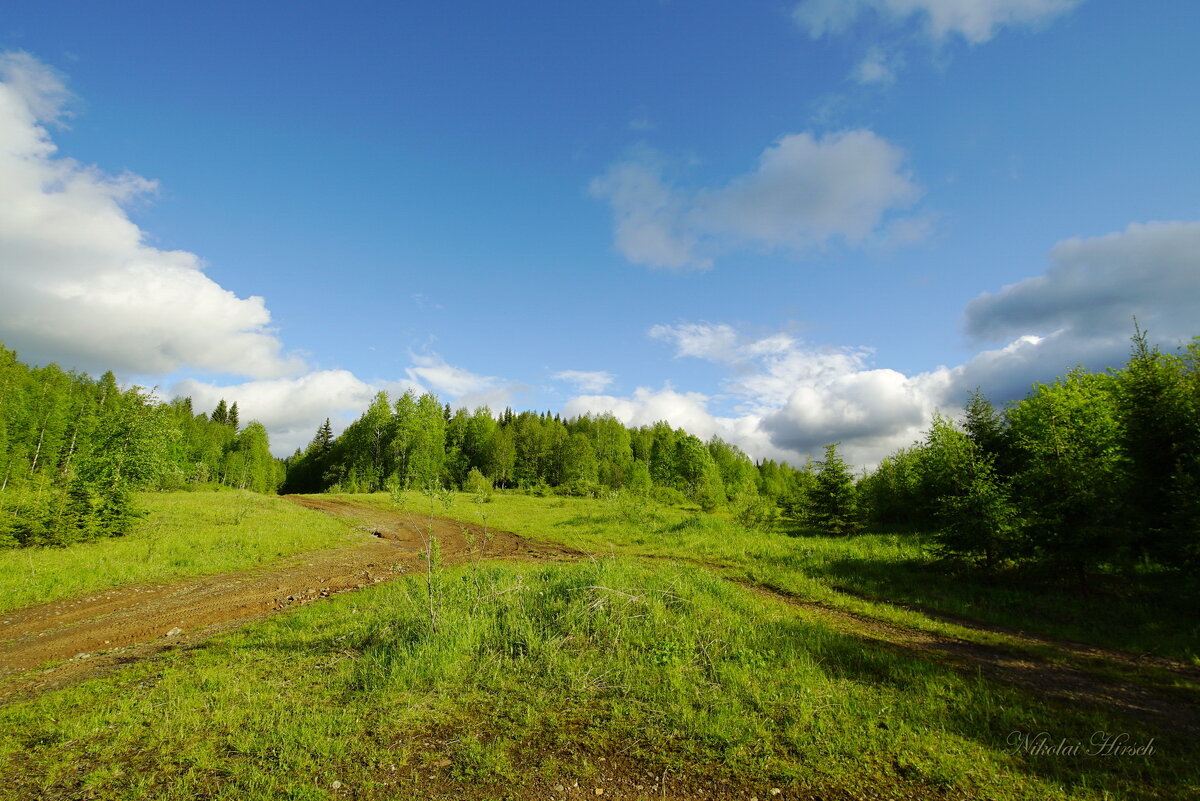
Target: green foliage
[
  {"x": 638, "y": 478},
  {"x": 1069, "y": 479},
  {"x": 1094, "y": 472},
  {"x": 73, "y": 450},
  {"x": 754, "y": 511},
  {"x": 1158, "y": 406},
  {"x": 833, "y": 500},
  {"x": 974, "y": 517},
  {"x": 893, "y": 496},
  {"x": 479, "y": 486},
  {"x": 989, "y": 430},
  {"x": 580, "y": 472},
  {"x": 418, "y": 441}
]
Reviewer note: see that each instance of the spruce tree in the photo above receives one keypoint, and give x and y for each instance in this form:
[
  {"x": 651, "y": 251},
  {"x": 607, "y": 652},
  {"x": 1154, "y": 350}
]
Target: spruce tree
[
  {"x": 323, "y": 441},
  {"x": 833, "y": 499}
]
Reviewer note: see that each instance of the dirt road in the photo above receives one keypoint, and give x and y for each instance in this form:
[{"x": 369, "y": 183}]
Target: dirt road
[
  {"x": 74, "y": 639},
  {"x": 89, "y": 635}
]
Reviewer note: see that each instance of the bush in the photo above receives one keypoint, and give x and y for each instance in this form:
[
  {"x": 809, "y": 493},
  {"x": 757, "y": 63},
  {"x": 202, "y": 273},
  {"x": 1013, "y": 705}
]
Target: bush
[
  {"x": 668, "y": 496},
  {"x": 479, "y": 485},
  {"x": 754, "y": 511}
]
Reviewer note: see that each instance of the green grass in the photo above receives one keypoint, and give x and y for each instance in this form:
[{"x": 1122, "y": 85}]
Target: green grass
[
  {"x": 612, "y": 671},
  {"x": 595, "y": 671},
  {"x": 1152, "y": 615},
  {"x": 183, "y": 534}
]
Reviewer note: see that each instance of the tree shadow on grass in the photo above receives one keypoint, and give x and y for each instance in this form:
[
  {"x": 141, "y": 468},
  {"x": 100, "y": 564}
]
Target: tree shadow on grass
[
  {"x": 1006, "y": 720},
  {"x": 1156, "y": 614}
]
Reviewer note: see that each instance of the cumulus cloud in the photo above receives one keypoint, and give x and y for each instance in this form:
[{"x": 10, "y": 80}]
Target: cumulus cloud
[
  {"x": 789, "y": 398},
  {"x": 461, "y": 387},
  {"x": 79, "y": 284},
  {"x": 585, "y": 381},
  {"x": 646, "y": 406},
  {"x": 805, "y": 397},
  {"x": 805, "y": 192},
  {"x": 1080, "y": 311},
  {"x": 290, "y": 408},
  {"x": 976, "y": 21},
  {"x": 650, "y": 223},
  {"x": 1096, "y": 286}
]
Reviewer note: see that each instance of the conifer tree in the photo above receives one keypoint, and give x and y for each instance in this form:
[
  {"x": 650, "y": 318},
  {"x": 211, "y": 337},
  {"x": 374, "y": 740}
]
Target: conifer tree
[
  {"x": 323, "y": 441},
  {"x": 833, "y": 499}
]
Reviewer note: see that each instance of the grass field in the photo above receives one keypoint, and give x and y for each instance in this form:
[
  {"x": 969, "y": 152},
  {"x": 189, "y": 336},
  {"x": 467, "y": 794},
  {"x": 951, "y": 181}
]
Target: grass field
[
  {"x": 1147, "y": 616},
  {"x": 643, "y": 678},
  {"x": 182, "y": 534}
]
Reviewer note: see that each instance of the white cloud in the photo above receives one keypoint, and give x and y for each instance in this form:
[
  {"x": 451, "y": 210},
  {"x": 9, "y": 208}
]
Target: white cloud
[
  {"x": 1080, "y": 311},
  {"x": 293, "y": 408},
  {"x": 461, "y": 387},
  {"x": 78, "y": 283},
  {"x": 41, "y": 88},
  {"x": 976, "y": 21},
  {"x": 876, "y": 67},
  {"x": 585, "y": 381},
  {"x": 290, "y": 408},
  {"x": 804, "y": 193},
  {"x": 645, "y": 406},
  {"x": 719, "y": 342},
  {"x": 790, "y": 399},
  {"x": 715, "y": 343},
  {"x": 649, "y": 217},
  {"x": 446, "y": 378}
]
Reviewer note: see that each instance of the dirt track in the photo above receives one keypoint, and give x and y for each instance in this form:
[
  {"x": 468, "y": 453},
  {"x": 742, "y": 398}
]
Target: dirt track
[
  {"x": 94, "y": 633},
  {"x": 1053, "y": 679},
  {"x": 87, "y": 636}
]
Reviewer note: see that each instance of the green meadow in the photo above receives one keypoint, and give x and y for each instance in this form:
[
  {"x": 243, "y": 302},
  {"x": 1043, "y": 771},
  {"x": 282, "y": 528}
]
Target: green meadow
[
  {"x": 646, "y": 670},
  {"x": 179, "y": 534}
]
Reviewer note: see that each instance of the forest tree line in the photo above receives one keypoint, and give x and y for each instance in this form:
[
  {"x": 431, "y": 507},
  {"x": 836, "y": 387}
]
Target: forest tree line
[
  {"x": 73, "y": 449},
  {"x": 416, "y": 441},
  {"x": 1094, "y": 470}
]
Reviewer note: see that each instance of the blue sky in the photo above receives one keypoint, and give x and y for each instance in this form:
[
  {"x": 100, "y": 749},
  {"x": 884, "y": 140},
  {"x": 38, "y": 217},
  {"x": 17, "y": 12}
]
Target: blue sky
[{"x": 782, "y": 223}]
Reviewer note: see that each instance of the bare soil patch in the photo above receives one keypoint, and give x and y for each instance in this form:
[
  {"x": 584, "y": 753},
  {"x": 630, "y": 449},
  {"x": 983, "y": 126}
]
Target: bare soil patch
[{"x": 407, "y": 531}]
